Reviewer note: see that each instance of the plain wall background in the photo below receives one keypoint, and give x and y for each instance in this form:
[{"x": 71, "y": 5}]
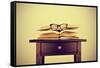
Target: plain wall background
[
  {"x": 5, "y": 34},
  {"x": 30, "y": 17}
]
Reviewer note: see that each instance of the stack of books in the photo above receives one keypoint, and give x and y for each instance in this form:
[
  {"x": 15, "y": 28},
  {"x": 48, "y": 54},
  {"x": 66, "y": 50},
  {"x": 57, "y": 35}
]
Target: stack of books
[{"x": 64, "y": 34}]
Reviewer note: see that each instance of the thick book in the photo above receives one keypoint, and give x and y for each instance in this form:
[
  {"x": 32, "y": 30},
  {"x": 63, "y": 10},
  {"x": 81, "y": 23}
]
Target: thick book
[{"x": 63, "y": 34}]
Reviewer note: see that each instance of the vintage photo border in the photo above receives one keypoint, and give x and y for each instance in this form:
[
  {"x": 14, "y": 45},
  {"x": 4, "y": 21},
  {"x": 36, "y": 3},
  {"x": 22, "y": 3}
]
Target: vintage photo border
[{"x": 13, "y": 31}]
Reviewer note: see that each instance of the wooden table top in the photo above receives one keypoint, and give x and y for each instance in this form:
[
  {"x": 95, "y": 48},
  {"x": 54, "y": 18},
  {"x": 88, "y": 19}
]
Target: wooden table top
[{"x": 57, "y": 40}]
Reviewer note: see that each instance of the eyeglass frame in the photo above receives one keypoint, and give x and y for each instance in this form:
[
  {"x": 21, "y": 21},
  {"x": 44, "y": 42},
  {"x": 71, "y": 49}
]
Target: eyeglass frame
[{"x": 58, "y": 27}]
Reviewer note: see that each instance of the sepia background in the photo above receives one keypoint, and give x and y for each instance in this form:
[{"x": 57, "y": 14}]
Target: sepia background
[{"x": 30, "y": 17}]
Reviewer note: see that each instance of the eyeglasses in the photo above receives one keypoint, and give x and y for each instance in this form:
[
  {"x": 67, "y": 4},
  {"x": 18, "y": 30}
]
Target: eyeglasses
[{"x": 59, "y": 28}]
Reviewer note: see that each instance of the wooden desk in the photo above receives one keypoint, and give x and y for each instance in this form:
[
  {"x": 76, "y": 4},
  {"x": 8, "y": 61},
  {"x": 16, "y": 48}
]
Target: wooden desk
[{"x": 57, "y": 47}]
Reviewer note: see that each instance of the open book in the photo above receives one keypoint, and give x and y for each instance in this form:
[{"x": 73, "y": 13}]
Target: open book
[
  {"x": 62, "y": 32},
  {"x": 61, "y": 35}
]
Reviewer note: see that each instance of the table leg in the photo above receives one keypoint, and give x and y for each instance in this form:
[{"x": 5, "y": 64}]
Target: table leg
[
  {"x": 39, "y": 58},
  {"x": 77, "y": 56}
]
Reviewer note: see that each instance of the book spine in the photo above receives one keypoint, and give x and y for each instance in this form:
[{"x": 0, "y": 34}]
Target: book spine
[{"x": 13, "y": 34}]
